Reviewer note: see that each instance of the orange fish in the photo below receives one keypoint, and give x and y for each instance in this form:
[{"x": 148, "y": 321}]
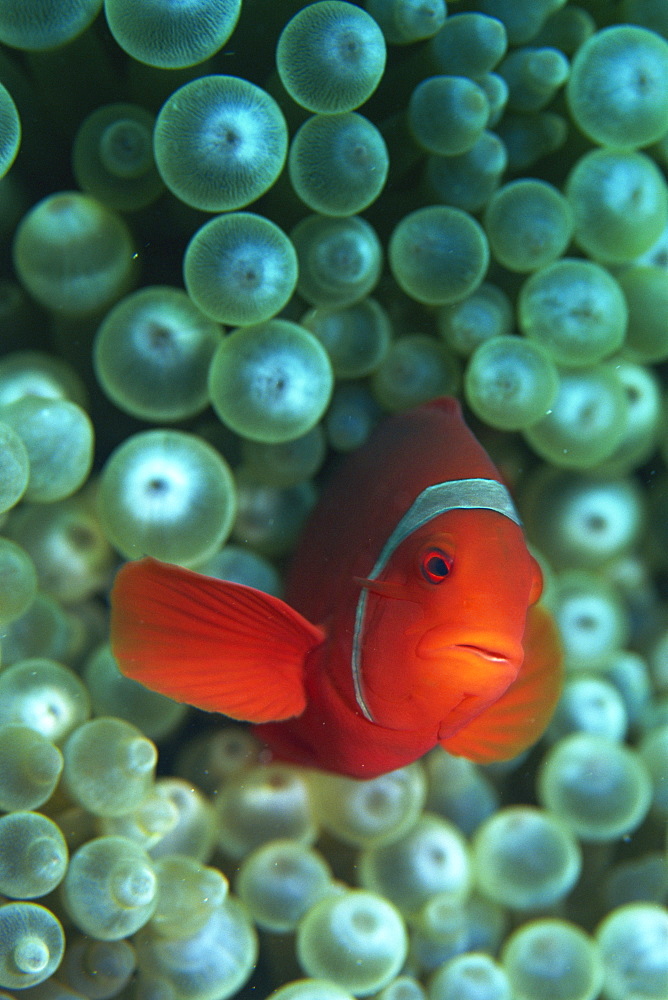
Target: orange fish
[{"x": 411, "y": 617}]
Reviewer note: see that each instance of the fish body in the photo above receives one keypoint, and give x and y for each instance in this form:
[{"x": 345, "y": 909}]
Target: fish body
[{"x": 410, "y": 616}]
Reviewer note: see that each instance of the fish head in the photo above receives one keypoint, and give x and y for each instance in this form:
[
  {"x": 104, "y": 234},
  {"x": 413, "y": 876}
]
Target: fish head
[{"x": 444, "y": 622}]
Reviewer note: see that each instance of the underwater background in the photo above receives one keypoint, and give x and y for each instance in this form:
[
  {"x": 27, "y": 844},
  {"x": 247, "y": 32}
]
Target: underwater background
[{"x": 385, "y": 202}]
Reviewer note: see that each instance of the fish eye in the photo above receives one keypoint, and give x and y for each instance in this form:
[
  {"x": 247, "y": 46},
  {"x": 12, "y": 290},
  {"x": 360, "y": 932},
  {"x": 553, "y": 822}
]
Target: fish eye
[{"x": 435, "y": 565}]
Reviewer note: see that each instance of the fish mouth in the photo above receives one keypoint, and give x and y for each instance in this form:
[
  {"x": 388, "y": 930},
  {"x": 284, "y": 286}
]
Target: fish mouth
[
  {"x": 488, "y": 654},
  {"x": 440, "y": 641},
  {"x": 488, "y": 646}
]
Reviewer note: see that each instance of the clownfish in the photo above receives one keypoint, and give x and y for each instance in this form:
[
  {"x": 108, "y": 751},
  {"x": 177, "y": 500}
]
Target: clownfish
[{"x": 410, "y": 617}]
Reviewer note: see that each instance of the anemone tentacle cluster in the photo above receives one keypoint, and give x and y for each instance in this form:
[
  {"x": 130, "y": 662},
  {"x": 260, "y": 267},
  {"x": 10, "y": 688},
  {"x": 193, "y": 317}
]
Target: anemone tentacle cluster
[{"x": 235, "y": 234}]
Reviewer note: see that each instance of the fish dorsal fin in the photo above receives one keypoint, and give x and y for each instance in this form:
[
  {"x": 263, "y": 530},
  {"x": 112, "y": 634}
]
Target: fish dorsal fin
[
  {"x": 216, "y": 645},
  {"x": 521, "y": 714}
]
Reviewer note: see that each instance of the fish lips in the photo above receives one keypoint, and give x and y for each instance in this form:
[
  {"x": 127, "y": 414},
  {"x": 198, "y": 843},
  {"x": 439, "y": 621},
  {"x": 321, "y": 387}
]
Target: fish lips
[
  {"x": 484, "y": 656},
  {"x": 489, "y": 654},
  {"x": 436, "y": 640}
]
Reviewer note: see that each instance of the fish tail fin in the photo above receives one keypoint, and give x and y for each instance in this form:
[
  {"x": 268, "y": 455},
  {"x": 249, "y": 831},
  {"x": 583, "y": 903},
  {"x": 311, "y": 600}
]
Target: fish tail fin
[
  {"x": 216, "y": 645},
  {"x": 521, "y": 714}
]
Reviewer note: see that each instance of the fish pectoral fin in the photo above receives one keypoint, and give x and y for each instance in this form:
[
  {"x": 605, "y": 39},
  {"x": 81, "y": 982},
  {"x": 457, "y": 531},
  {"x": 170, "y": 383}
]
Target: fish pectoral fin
[
  {"x": 519, "y": 717},
  {"x": 216, "y": 645}
]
